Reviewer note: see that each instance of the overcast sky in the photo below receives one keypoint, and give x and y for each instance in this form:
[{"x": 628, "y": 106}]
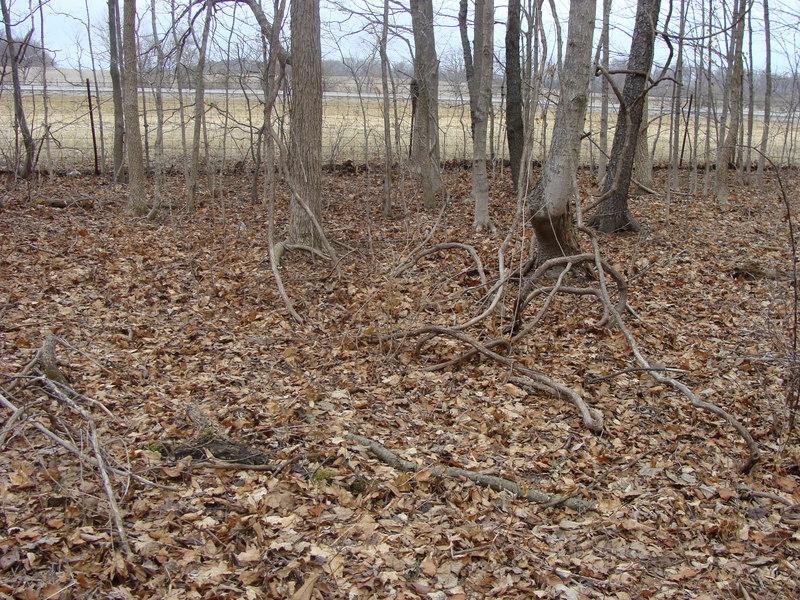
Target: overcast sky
[{"x": 66, "y": 32}]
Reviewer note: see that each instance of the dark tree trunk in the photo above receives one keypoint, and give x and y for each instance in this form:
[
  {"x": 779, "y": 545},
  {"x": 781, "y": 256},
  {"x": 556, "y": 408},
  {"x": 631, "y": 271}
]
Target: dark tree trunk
[
  {"x": 514, "y": 124},
  {"x": 116, "y": 90},
  {"x": 613, "y": 213}
]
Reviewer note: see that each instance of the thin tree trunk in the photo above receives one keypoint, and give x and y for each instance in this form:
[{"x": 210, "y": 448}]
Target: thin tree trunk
[
  {"x": 762, "y": 157},
  {"x": 483, "y": 61},
  {"x": 158, "y": 149},
  {"x": 89, "y": 37},
  {"x": 118, "y": 156},
  {"x": 733, "y": 88},
  {"x": 137, "y": 203},
  {"x": 179, "y": 83},
  {"x": 515, "y": 126},
  {"x": 387, "y": 129},
  {"x": 46, "y": 95},
  {"x": 675, "y": 129},
  {"x": 25, "y": 168},
  {"x": 199, "y": 111},
  {"x": 604, "y": 95}
]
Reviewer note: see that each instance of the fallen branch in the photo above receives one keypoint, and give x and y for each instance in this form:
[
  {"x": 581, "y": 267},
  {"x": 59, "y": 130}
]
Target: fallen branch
[{"x": 489, "y": 481}]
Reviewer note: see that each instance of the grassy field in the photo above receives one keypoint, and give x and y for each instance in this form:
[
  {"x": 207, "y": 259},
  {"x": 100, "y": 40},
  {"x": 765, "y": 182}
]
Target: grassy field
[{"x": 352, "y": 129}]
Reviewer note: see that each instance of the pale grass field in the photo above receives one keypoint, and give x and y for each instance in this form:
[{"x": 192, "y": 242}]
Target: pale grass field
[{"x": 352, "y": 130}]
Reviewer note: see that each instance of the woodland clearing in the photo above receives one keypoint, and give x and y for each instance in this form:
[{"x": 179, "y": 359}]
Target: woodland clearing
[{"x": 157, "y": 319}]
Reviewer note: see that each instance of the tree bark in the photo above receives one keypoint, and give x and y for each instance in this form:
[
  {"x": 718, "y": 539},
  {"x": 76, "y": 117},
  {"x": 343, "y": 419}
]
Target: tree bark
[
  {"x": 425, "y": 147},
  {"x": 482, "y": 90},
  {"x": 305, "y": 123},
  {"x": 549, "y": 200},
  {"x": 118, "y": 151},
  {"x": 602, "y": 163},
  {"x": 733, "y": 91},
  {"x": 158, "y": 149},
  {"x": 515, "y": 126},
  {"x": 137, "y": 204},
  {"x": 613, "y": 213},
  {"x": 199, "y": 97},
  {"x": 387, "y": 130},
  {"x": 26, "y": 167},
  {"x": 762, "y": 156}
]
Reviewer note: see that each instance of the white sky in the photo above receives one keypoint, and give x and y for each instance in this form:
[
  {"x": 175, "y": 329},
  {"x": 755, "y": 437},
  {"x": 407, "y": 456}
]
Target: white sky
[{"x": 66, "y": 32}]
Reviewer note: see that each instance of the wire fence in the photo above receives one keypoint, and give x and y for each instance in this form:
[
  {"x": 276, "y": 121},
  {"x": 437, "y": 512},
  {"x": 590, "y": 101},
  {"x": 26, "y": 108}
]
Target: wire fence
[{"x": 72, "y": 122}]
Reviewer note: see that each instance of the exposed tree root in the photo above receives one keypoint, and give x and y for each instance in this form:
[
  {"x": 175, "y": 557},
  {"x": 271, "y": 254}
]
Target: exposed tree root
[
  {"x": 532, "y": 288},
  {"x": 644, "y": 363},
  {"x": 489, "y": 481},
  {"x": 592, "y": 419}
]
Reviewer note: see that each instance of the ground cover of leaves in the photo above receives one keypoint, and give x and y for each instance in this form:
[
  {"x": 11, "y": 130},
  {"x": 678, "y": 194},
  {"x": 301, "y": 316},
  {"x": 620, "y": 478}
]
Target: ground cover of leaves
[{"x": 184, "y": 311}]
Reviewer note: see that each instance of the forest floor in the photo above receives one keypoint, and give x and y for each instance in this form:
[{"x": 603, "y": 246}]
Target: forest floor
[{"x": 160, "y": 321}]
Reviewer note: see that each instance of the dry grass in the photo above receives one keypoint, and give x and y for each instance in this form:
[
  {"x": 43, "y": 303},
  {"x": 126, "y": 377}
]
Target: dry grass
[{"x": 353, "y": 128}]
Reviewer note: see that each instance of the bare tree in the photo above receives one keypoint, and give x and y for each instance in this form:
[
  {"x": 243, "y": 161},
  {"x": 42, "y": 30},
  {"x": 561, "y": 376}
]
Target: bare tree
[
  {"x": 199, "y": 112},
  {"x": 602, "y": 163},
  {"x": 387, "y": 131},
  {"x": 549, "y": 200},
  {"x": 732, "y": 105},
  {"x": 12, "y": 48},
  {"x": 479, "y": 81},
  {"x": 118, "y": 153},
  {"x": 305, "y": 124},
  {"x": 137, "y": 204},
  {"x": 515, "y": 126},
  {"x": 158, "y": 149},
  {"x": 762, "y": 157},
  {"x": 613, "y": 213},
  {"x": 425, "y": 145}
]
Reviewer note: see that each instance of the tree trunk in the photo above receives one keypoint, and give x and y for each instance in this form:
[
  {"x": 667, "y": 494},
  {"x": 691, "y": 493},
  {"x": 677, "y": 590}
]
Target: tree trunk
[
  {"x": 158, "y": 149},
  {"x": 675, "y": 126},
  {"x": 480, "y": 90},
  {"x": 137, "y": 203},
  {"x": 199, "y": 96},
  {"x": 642, "y": 165},
  {"x": 425, "y": 147},
  {"x": 387, "y": 129},
  {"x": 469, "y": 64},
  {"x": 762, "y": 156},
  {"x": 613, "y": 213},
  {"x": 305, "y": 123},
  {"x": 116, "y": 91},
  {"x": 515, "y": 126},
  {"x": 26, "y": 167},
  {"x": 733, "y": 89},
  {"x": 602, "y": 163},
  {"x": 549, "y": 201}
]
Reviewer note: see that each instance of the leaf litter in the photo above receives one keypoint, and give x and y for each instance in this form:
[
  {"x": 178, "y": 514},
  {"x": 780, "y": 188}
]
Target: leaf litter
[{"x": 183, "y": 311}]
